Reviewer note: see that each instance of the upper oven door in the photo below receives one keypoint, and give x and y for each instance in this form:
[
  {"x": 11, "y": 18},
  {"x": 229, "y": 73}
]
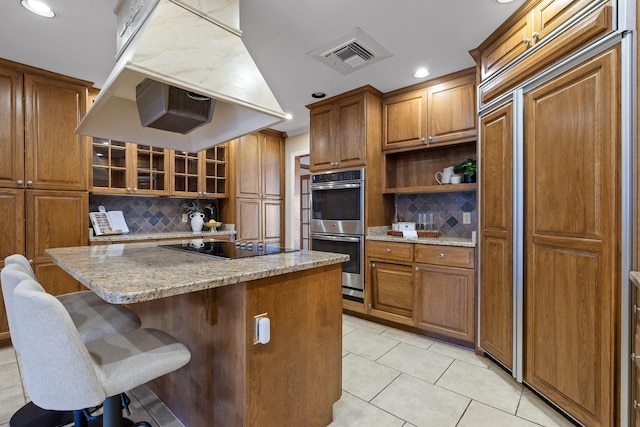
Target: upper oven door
[{"x": 337, "y": 208}]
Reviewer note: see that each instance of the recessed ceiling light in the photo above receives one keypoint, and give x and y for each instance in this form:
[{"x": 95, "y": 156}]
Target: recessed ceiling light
[
  {"x": 421, "y": 73},
  {"x": 289, "y": 116},
  {"x": 38, "y": 7},
  {"x": 318, "y": 95},
  {"x": 503, "y": 1}
]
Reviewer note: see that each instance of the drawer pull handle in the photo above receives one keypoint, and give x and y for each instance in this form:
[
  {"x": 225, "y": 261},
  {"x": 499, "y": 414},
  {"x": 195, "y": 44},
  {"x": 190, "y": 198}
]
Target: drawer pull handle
[
  {"x": 441, "y": 254},
  {"x": 634, "y": 357},
  {"x": 388, "y": 250}
]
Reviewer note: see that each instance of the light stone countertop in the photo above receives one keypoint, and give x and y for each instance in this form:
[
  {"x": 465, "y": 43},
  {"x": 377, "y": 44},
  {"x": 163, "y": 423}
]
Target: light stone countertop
[
  {"x": 635, "y": 278},
  {"x": 135, "y": 272},
  {"x": 152, "y": 236},
  {"x": 380, "y": 234}
]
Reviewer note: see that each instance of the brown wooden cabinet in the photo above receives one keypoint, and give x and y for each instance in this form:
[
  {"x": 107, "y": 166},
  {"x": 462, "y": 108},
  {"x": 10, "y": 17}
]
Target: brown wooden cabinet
[
  {"x": 43, "y": 170},
  {"x": 515, "y": 49},
  {"x": 342, "y": 127},
  {"x": 201, "y": 174},
  {"x": 572, "y": 275},
  {"x": 429, "y": 287},
  {"x": 430, "y": 114},
  {"x": 446, "y": 291},
  {"x": 496, "y": 229},
  {"x": 126, "y": 168},
  {"x": 256, "y": 201}
]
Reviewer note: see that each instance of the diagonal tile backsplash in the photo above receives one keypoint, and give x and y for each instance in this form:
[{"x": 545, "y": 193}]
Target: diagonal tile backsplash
[{"x": 447, "y": 210}]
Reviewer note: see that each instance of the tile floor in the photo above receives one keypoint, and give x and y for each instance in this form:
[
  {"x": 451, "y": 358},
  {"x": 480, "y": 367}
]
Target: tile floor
[{"x": 390, "y": 378}]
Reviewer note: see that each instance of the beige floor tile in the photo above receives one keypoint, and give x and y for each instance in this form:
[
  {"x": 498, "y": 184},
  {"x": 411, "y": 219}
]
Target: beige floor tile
[
  {"x": 9, "y": 376},
  {"x": 417, "y": 362},
  {"x": 480, "y": 415},
  {"x": 460, "y": 353},
  {"x": 408, "y": 337},
  {"x": 7, "y": 356},
  {"x": 147, "y": 407},
  {"x": 484, "y": 385},
  {"x": 421, "y": 403},
  {"x": 535, "y": 409},
  {"x": 4, "y": 425},
  {"x": 350, "y": 411},
  {"x": 344, "y": 352},
  {"x": 366, "y": 325},
  {"x": 367, "y": 344},
  {"x": 364, "y": 378},
  {"x": 11, "y": 399},
  {"x": 408, "y": 425},
  {"x": 346, "y": 328}
]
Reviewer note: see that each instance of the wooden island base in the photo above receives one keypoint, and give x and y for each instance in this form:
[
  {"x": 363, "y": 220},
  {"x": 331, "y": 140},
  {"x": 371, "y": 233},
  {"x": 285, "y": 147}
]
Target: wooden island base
[{"x": 293, "y": 380}]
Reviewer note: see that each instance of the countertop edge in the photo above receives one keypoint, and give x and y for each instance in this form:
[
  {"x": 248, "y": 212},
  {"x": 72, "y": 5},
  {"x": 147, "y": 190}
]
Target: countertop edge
[
  {"x": 151, "y": 236},
  {"x": 442, "y": 241}
]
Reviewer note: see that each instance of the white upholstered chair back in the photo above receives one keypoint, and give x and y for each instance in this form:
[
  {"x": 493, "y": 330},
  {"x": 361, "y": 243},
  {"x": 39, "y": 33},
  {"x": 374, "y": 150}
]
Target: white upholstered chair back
[
  {"x": 58, "y": 371},
  {"x": 22, "y": 262},
  {"x": 10, "y": 276}
]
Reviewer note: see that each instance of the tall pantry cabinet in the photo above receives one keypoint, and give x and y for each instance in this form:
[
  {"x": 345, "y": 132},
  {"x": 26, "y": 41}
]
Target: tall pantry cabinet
[
  {"x": 550, "y": 196},
  {"x": 43, "y": 170}
]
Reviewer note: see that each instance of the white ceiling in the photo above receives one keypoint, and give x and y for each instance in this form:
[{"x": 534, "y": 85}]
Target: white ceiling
[{"x": 436, "y": 34}]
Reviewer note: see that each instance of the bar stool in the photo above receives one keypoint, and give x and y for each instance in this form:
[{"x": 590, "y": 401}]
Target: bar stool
[{"x": 63, "y": 373}]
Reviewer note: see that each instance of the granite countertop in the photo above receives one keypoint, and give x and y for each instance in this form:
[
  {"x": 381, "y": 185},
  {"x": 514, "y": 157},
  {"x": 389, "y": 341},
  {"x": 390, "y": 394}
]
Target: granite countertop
[
  {"x": 635, "y": 278},
  {"x": 153, "y": 236},
  {"x": 380, "y": 234},
  {"x": 135, "y": 272}
]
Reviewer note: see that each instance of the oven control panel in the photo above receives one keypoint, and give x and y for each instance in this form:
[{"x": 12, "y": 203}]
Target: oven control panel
[{"x": 338, "y": 176}]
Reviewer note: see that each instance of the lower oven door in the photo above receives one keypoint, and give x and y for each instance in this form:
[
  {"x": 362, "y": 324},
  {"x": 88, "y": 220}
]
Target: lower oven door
[{"x": 352, "y": 270}]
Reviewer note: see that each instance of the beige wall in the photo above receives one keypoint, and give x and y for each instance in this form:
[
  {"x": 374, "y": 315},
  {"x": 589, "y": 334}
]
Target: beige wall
[{"x": 297, "y": 145}]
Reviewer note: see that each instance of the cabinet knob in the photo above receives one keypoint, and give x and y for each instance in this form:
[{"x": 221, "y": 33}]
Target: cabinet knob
[
  {"x": 29, "y": 182},
  {"x": 635, "y": 404},
  {"x": 417, "y": 268},
  {"x": 526, "y": 41},
  {"x": 20, "y": 182},
  {"x": 634, "y": 357},
  {"x": 388, "y": 250},
  {"x": 135, "y": 189},
  {"x": 423, "y": 139},
  {"x": 441, "y": 254},
  {"x": 372, "y": 265},
  {"x": 129, "y": 189},
  {"x": 430, "y": 138},
  {"x": 535, "y": 35}
]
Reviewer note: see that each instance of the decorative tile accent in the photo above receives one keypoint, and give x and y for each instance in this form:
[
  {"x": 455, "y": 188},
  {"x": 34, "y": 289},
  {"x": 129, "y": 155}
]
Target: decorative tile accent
[
  {"x": 447, "y": 210},
  {"x": 148, "y": 214}
]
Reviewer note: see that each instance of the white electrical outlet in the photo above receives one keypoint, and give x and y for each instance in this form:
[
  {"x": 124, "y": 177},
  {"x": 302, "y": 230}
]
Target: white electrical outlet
[
  {"x": 466, "y": 217},
  {"x": 185, "y": 217}
]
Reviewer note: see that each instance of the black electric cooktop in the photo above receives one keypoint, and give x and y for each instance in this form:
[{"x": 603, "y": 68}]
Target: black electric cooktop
[{"x": 228, "y": 250}]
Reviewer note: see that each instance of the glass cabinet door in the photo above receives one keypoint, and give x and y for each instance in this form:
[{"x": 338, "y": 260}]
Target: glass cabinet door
[
  {"x": 150, "y": 173},
  {"x": 185, "y": 174},
  {"x": 109, "y": 166},
  {"x": 215, "y": 171}
]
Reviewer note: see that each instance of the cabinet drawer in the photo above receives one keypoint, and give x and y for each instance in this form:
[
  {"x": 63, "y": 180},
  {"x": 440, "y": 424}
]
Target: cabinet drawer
[
  {"x": 390, "y": 251},
  {"x": 445, "y": 255}
]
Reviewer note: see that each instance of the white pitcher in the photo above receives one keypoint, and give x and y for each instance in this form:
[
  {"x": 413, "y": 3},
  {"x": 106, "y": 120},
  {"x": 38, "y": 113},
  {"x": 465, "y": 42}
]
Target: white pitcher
[
  {"x": 445, "y": 175},
  {"x": 197, "y": 221}
]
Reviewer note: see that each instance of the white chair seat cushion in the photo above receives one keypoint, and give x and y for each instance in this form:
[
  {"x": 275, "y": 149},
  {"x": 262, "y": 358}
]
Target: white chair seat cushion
[{"x": 125, "y": 361}]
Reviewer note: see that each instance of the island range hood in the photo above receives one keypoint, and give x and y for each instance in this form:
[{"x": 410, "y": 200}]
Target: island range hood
[{"x": 183, "y": 78}]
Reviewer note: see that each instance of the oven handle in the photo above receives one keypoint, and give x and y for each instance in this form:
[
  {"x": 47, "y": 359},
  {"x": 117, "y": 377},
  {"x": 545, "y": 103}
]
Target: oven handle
[
  {"x": 336, "y": 238},
  {"x": 334, "y": 186}
]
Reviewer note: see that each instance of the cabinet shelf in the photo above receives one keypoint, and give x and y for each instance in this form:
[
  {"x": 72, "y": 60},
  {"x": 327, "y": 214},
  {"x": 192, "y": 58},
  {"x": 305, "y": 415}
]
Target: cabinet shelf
[{"x": 451, "y": 188}]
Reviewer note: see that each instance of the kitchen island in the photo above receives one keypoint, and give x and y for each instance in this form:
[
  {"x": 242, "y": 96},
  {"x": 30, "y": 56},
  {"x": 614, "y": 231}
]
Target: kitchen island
[{"x": 210, "y": 305}]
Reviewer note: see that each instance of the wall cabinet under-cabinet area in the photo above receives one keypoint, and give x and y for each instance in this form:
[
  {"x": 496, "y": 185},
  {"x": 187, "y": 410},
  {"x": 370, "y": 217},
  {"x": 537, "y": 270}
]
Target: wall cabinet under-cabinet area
[{"x": 428, "y": 287}]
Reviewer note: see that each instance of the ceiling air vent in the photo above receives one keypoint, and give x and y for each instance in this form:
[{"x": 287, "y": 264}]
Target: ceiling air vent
[{"x": 350, "y": 52}]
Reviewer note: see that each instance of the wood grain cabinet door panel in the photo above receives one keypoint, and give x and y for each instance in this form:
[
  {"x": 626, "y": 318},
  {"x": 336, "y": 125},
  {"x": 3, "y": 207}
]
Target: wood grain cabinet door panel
[
  {"x": 392, "y": 292},
  {"x": 350, "y": 132},
  {"x": 404, "y": 120},
  {"x": 11, "y": 222},
  {"x": 572, "y": 283},
  {"x": 496, "y": 234},
  {"x": 56, "y": 158},
  {"x": 248, "y": 176},
  {"x": 11, "y": 129},
  {"x": 510, "y": 45},
  {"x": 322, "y": 141},
  {"x": 451, "y": 112},
  {"x": 446, "y": 297}
]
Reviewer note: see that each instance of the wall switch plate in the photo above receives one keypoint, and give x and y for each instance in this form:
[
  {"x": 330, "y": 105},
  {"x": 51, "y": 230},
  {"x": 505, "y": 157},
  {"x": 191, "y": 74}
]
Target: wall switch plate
[
  {"x": 185, "y": 217},
  {"x": 466, "y": 217}
]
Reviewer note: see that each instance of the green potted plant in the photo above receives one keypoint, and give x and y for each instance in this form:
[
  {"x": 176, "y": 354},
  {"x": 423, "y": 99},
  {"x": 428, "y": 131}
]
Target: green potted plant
[{"x": 467, "y": 168}]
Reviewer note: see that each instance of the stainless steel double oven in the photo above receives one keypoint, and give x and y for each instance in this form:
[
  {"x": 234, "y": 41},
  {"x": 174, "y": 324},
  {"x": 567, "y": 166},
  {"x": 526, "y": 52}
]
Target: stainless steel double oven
[{"x": 337, "y": 223}]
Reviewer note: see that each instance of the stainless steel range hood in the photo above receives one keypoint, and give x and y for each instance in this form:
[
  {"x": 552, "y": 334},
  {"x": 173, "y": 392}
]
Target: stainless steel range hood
[{"x": 192, "y": 45}]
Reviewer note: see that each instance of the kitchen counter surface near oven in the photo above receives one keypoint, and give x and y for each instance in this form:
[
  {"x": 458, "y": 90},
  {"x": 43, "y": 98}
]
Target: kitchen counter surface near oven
[
  {"x": 380, "y": 234},
  {"x": 138, "y": 272},
  {"x": 124, "y": 238}
]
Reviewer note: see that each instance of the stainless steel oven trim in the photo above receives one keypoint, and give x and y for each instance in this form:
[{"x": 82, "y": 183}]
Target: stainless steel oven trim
[
  {"x": 338, "y": 226},
  {"x": 352, "y": 284}
]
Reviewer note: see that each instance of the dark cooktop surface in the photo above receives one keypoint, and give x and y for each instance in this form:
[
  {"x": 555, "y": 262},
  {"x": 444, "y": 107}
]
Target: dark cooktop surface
[{"x": 228, "y": 250}]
